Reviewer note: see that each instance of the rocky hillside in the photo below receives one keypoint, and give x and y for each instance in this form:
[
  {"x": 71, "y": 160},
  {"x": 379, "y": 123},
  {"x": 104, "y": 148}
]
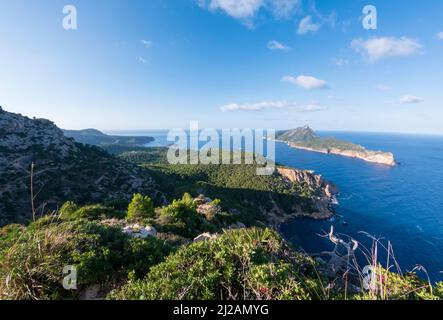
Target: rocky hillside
[
  {"x": 63, "y": 170},
  {"x": 300, "y": 134},
  {"x": 323, "y": 192}
]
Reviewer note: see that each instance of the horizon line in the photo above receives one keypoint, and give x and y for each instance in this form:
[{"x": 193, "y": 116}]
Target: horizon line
[{"x": 114, "y": 131}]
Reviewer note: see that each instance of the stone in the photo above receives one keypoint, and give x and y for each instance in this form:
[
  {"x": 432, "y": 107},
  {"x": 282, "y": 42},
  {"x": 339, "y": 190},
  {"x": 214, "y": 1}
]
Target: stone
[
  {"x": 139, "y": 232},
  {"x": 205, "y": 237}
]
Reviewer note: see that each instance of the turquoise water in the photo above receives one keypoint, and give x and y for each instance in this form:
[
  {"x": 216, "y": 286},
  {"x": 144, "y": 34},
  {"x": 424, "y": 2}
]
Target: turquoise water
[{"x": 403, "y": 204}]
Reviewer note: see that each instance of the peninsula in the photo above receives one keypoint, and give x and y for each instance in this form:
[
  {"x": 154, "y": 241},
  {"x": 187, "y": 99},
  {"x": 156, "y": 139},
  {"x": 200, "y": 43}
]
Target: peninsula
[
  {"x": 100, "y": 139},
  {"x": 305, "y": 138}
]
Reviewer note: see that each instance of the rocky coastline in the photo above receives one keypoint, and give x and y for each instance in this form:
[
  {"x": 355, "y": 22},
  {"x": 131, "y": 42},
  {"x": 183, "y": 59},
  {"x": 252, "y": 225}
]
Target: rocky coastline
[
  {"x": 323, "y": 199},
  {"x": 378, "y": 157}
]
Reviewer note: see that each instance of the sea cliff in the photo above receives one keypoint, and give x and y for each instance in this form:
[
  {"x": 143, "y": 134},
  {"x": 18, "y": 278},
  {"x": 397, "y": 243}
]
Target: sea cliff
[
  {"x": 380, "y": 157},
  {"x": 323, "y": 196}
]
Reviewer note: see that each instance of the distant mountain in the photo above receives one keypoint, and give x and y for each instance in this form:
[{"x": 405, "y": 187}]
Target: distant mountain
[
  {"x": 64, "y": 170},
  {"x": 97, "y": 138},
  {"x": 306, "y": 139},
  {"x": 300, "y": 134}
]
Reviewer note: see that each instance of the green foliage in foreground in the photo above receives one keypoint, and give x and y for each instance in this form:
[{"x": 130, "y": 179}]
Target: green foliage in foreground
[
  {"x": 140, "y": 207},
  {"x": 241, "y": 264},
  {"x": 257, "y": 264},
  {"x": 32, "y": 259},
  {"x": 181, "y": 218},
  {"x": 70, "y": 210},
  {"x": 250, "y": 263}
]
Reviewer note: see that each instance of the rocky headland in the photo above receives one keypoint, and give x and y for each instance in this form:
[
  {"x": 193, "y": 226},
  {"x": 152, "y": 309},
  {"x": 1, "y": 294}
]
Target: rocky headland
[
  {"x": 379, "y": 157},
  {"x": 305, "y": 139}
]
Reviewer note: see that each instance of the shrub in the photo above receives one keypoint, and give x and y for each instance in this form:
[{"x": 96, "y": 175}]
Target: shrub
[
  {"x": 394, "y": 286},
  {"x": 241, "y": 264},
  {"x": 181, "y": 218},
  {"x": 140, "y": 207},
  {"x": 32, "y": 266},
  {"x": 68, "y": 209},
  {"x": 71, "y": 211}
]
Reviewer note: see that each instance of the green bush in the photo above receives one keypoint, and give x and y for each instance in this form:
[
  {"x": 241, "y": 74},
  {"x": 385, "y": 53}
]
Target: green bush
[
  {"x": 31, "y": 267},
  {"x": 71, "y": 211},
  {"x": 181, "y": 218},
  {"x": 141, "y": 207},
  {"x": 241, "y": 264},
  {"x": 438, "y": 290},
  {"x": 68, "y": 209}
]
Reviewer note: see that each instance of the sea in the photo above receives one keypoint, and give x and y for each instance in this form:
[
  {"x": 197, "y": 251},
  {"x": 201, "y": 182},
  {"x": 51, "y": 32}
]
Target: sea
[{"x": 401, "y": 206}]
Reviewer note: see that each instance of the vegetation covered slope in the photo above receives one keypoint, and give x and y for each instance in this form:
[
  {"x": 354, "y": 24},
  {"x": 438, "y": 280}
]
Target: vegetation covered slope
[
  {"x": 306, "y": 137},
  {"x": 32, "y": 259},
  {"x": 240, "y": 264},
  {"x": 255, "y": 199},
  {"x": 63, "y": 170},
  {"x": 98, "y": 138},
  {"x": 253, "y": 263},
  {"x": 257, "y": 264}
]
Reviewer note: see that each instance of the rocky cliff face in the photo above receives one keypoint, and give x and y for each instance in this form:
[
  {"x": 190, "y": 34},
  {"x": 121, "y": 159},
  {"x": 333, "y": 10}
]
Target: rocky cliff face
[
  {"x": 379, "y": 157},
  {"x": 385, "y": 158},
  {"x": 322, "y": 196},
  {"x": 64, "y": 170}
]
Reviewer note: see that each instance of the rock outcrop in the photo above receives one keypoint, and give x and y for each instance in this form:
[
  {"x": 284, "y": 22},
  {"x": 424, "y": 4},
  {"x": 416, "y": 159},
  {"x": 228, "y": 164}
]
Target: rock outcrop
[
  {"x": 63, "y": 170},
  {"x": 137, "y": 231},
  {"x": 321, "y": 200}
]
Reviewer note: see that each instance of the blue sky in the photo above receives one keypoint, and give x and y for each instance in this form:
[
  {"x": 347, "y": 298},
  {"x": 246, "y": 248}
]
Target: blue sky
[{"x": 137, "y": 64}]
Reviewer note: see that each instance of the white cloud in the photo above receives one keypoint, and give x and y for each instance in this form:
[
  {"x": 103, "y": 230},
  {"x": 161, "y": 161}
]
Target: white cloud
[
  {"x": 306, "y": 25},
  {"x": 263, "y": 105},
  {"x": 383, "y": 87},
  {"x": 409, "y": 99},
  {"x": 376, "y": 49},
  {"x": 239, "y": 9},
  {"x": 439, "y": 35},
  {"x": 246, "y": 10},
  {"x": 146, "y": 43},
  {"x": 306, "y": 82},
  {"x": 142, "y": 60},
  {"x": 275, "y": 45}
]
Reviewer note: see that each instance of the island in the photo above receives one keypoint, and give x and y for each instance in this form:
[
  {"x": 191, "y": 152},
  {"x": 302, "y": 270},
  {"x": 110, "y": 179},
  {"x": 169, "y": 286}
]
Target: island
[{"x": 305, "y": 138}]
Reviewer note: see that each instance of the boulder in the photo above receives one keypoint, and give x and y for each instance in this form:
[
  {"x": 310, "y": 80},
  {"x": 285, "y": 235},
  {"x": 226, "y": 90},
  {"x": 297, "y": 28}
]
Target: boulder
[
  {"x": 139, "y": 232},
  {"x": 205, "y": 237}
]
